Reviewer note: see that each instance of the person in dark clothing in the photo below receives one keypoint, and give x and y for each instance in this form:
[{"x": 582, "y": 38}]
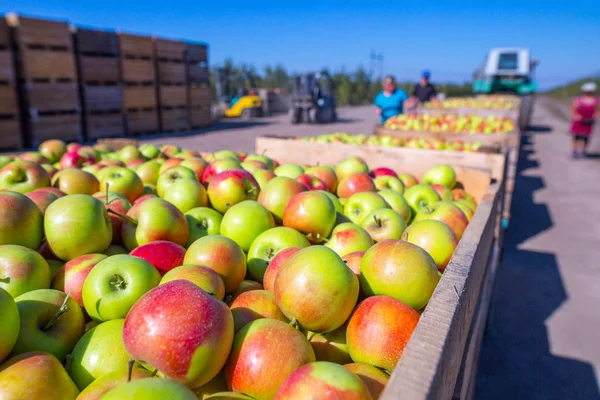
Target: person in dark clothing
[{"x": 424, "y": 91}]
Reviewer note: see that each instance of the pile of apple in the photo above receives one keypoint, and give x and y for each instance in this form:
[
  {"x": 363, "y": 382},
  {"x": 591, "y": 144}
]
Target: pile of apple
[
  {"x": 452, "y": 123},
  {"x": 393, "y": 141},
  {"x": 154, "y": 273},
  {"x": 480, "y": 102}
]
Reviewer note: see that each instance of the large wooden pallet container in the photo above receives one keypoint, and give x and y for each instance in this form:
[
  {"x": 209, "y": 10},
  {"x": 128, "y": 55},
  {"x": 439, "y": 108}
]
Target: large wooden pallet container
[
  {"x": 100, "y": 83},
  {"x": 10, "y": 125},
  {"x": 172, "y": 90},
  {"x": 198, "y": 81},
  {"x": 48, "y": 79},
  {"x": 440, "y": 360},
  {"x": 138, "y": 75}
]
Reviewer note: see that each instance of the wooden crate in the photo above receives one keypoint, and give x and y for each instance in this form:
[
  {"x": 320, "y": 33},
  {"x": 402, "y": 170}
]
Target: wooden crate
[
  {"x": 47, "y": 66},
  {"x": 439, "y": 361},
  {"x": 200, "y": 117},
  {"x": 65, "y": 126},
  {"x": 170, "y": 57},
  {"x": 97, "y": 43},
  {"x": 10, "y": 133},
  {"x": 171, "y": 73},
  {"x": 40, "y": 33},
  {"x": 8, "y": 100},
  {"x": 170, "y": 50},
  {"x": 136, "y": 97},
  {"x": 138, "y": 70},
  {"x": 97, "y": 57},
  {"x": 46, "y": 97},
  {"x": 137, "y": 59},
  {"x": 134, "y": 46},
  {"x": 196, "y": 53},
  {"x": 174, "y": 120},
  {"x": 102, "y": 98},
  {"x": 197, "y": 64},
  {"x": 142, "y": 121},
  {"x": 10, "y": 126},
  {"x": 200, "y": 96},
  {"x": 105, "y": 125},
  {"x": 172, "y": 96}
]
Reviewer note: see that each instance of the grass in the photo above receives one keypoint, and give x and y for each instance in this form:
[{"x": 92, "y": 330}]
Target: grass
[{"x": 570, "y": 90}]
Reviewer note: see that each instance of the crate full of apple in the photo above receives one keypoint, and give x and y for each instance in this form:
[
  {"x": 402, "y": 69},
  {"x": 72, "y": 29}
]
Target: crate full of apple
[
  {"x": 480, "y": 102},
  {"x": 155, "y": 273},
  {"x": 451, "y": 123}
]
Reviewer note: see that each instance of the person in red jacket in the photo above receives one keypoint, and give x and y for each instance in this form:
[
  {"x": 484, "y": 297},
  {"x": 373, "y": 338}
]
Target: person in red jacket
[{"x": 584, "y": 111}]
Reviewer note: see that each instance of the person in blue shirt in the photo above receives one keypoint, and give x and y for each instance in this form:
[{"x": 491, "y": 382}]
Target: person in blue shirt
[{"x": 390, "y": 101}]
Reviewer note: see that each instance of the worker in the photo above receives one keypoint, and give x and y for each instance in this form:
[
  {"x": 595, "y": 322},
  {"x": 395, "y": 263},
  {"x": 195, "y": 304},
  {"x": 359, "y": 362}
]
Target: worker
[
  {"x": 584, "y": 110},
  {"x": 390, "y": 101},
  {"x": 424, "y": 91}
]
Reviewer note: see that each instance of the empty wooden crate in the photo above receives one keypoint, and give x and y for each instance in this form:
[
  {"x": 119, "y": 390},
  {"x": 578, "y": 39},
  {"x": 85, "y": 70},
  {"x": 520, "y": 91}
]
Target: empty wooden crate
[{"x": 10, "y": 129}]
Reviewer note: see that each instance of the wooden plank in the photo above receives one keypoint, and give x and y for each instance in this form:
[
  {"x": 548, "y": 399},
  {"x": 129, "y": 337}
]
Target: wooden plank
[
  {"x": 200, "y": 117},
  {"x": 118, "y": 144},
  {"x": 139, "y": 97},
  {"x": 64, "y": 127},
  {"x": 10, "y": 134},
  {"x": 99, "y": 69},
  {"x": 7, "y": 67},
  {"x": 48, "y": 65},
  {"x": 8, "y": 100},
  {"x": 44, "y": 97},
  {"x": 142, "y": 122},
  {"x": 200, "y": 96},
  {"x": 102, "y": 98},
  {"x": 172, "y": 96},
  {"x": 169, "y": 72},
  {"x": 197, "y": 74},
  {"x": 174, "y": 120},
  {"x": 138, "y": 70},
  {"x": 104, "y": 126},
  {"x": 40, "y": 32},
  {"x": 172, "y": 50},
  {"x": 97, "y": 42},
  {"x": 136, "y": 46},
  {"x": 196, "y": 53},
  {"x": 4, "y": 34}
]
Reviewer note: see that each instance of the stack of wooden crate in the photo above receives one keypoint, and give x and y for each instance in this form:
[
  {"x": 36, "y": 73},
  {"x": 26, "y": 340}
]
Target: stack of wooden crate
[
  {"x": 48, "y": 79},
  {"x": 172, "y": 93},
  {"x": 138, "y": 76},
  {"x": 100, "y": 84},
  {"x": 198, "y": 85},
  {"x": 10, "y": 130}
]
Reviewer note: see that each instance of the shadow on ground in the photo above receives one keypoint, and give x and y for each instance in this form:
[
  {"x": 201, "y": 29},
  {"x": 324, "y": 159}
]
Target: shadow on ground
[
  {"x": 539, "y": 129},
  {"x": 515, "y": 361}
]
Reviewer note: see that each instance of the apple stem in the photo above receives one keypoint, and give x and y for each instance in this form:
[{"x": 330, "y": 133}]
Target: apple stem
[
  {"x": 154, "y": 373},
  {"x": 118, "y": 282},
  {"x": 68, "y": 361},
  {"x": 130, "y": 369},
  {"x": 124, "y": 217},
  {"x": 311, "y": 336},
  {"x": 377, "y": 221},
  {"x": 61, "y": 311},
  {"x": 106, "y": 198},
  {"x": 294, "y": 323}
]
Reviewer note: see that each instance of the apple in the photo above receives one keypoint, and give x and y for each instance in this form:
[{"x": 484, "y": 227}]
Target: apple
[
  {"x": 202, "y": 221},
  {"x": 436, "y": 238},
  {"x": 34, "y": 157},
  {"x": 353, "y": 260},
  {"x": 115, "y": 249},
  {"x": 253, "y": 166},
  {"x": 336, "y": 202},
  {"x": 448, "y": 213},
  {"x": 129, "y": 153},
  {"x": 58, "y": 280},
  {"x": 9, "y": 330},
  {"x": 214, "y": 386},
  {"x": 326, "y": 175},
  {"x": 75, "y": 225},
  {"x": 347, "y": 238},
  {"x": 204, "y": 327},
  {"x": 440, "y": 174},
  {"x": 349, "y": 166},
  {"x": 161, "y": 254},
  {"x": 245, "y": 286},
  {"x": 311, "y": 213},
  {"x": 384, "y": 224},
  {"x": 374, "y": 378},
  {"x": 21, "y": 221},
  {"x": 355, "y": 183},
  {"x": 331, "y": 346},
  {"x": 263, "y": 176},
  {"x": 419, "y": 196},
  {"x": 292, "y": 171},
  {"x": 382, "y": 171},
  {"x": 22, "y": 270},
  {"x": 75, "y": 181},
  {"x": 262, "y": 158},
  {"x": 114, "y": 285},
  {"x": 465, "y": 208},
  {"x": 461, "y": 194},
  {"x": 312, "y": 182},
  {"x": 117, "y": 206},
  {"x": 99, "y": 351},
  {"x": 170, "y": 176},
  {"x": 196, "y": 164},
  {"x": 203, "y": 277},
  {"x": 277, "y": 193},
  {"x": 168, "y": 164},
  {"x": 50, "y": 169},
  {"x": 23, "y": 176},
  {"x": 149, "y": 150},
  {"x": 224, "y": 154},
  {"x": 444, "y": 193},
  {"x": 397, "y": 203},
  {"x": 150, "y": 389},
  {"x": 389, "y": 182},
  {"x": 245, "y": 221},
  {"x": 186, "y": 194},
  {"x": 151, "y": 220},
  {"x": 375, "y": 318},
  {"x": 75, "y": 273},
  {"x": 42, "y": 198},
  {"x": 268, "y": 244},
  {"x": 53, "y": 150},
  {"x": 36, "y": 375},
  {"x": 218, "y": 166},
  {"x": 359, "y": 205},
  {"x": 322, "y": 380},
  {"x": 253, "y": 305},
  {"x": 222, "y": 255},
  {"x": 317, "y": 289},
  {"x": 229, "y": 188},
  {"x": 122, "y": 181},
  {"x": 4, "y": 159},
  {"x": 401, "y": 270},
  {"x": 408, "y": 180},
  {"x": 148, "y": 172},
  {"x": 275, "y": 265},
  {"x": 50, "y": 321},
  {"x": 104, "y": 384},
  {"x": 265, "y": 348}
]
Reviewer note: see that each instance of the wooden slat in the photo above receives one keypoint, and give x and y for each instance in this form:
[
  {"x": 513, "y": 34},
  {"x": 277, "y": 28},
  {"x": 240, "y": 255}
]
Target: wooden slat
[
  {"x": 10, "y": 134},
  {"x": 139, "y": 97},
  {"x": 173, "y": 50},
  {"x": 64, "y": 127},
  {"x": 118, "y": 144},
  {"x": 171, "y": 72},
  {"x": 200, "y": 96},
  {"x": 177, "y": 119},
  {"x": 197, "y": 74},
  {"x": 7, "y": 67},
  {"x": 52, "y": 96},
  {"x": 142, "y": 121},
  {"x": 98, "y": 98},
  {"x": 4, "y": 34},
  {"x": 97, "y": 41},
  {"x": 32, "y": 31},
  {"x": 103, "y": 126},
  {"x": 172, "y": 96},
  {"x": 134, "y": 45},
  {"x": 8, "y": 100},
  {"x": 47, "y": 64},
  {"x": 138, "y": 70},
  {"x": 200, "y": 117},
  {"x": 99, "y": 69},
  {"x": 196, "y": 53}
]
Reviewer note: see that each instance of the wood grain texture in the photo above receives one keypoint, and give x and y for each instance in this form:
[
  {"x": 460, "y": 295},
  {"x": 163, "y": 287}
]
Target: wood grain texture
[
  {"x": 177, "y": 119},
  {"x": 142, "y": 121},
  {"x": 104, "y": 126},
  {"x": 64, "y": 127},
  {"x": 47, "y": 97},
  {"x": 134, "y": 45},
  {"x": 7, "y": 67},
  {"x": 97, "y": 41},
  {"x": 138, "y": 70},
  {"x": 102, "y": 98},
  {"x": 196, "y": 53},
  {"x": 10, "y": 134},
  {"x": 200, "y": 96},
  {"x": 139, "y": 97},
  {"x": 33, "y": 31},
  {"x": 171, "y": 72},
  {"x": 172, "y": 96},
  {"x": 8, "y": 100},
  {"x": 47, "y": 64},
  {"x": 99, "y": 69},
  {"x": 170, "y": 49}
]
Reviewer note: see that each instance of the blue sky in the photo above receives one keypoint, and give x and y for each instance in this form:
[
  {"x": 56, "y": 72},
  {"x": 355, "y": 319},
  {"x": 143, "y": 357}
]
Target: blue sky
[{"x": 450, "y": 39}]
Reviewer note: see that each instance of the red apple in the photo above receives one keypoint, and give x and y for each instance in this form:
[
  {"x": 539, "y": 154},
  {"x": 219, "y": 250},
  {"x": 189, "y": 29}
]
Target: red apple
[
  {"x": 325, "y": 174},
  {"x": 162, "y": 254},
  {"x": 448, "y": 213},
  {"x": 218, "y": 166},
  {"x": 312, "y": 182},
  {"x": 382, "y": 171},
  {"x": 275, "y": 265},
  {"x": 355, "y": 183},
  {"x": 278, "y": 192},
  {"x": 76, "y": 271},
  {"x": 347, "y": 238},
  {"x": 245, "y": 286},
  {"x": 203, "y": 277},
  {"x": 444, "y": 192},
  {"x": 170, "y": 163},
  {"x": 42, "y": 198},
  {"x": 253, "y": 305},
  {"x": 374, "y": 378},
  {"x": 311, "y": 213},
  {"x": 23, "y": 176},
  {"x": 229, "y": 188}
]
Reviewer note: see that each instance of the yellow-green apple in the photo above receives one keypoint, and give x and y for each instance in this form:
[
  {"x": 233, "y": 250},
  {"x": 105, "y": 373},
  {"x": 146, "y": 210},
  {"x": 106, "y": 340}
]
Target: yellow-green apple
[
  {"x": 150, "y": 189},
  {"x": 50, "y": 321},
  {"x": 129, "y": 153},
  {"x": 383, "y": 171},
  {"x": 229, "y": 188},
  {"x": 223, "y": 154},
  {"x": 191, "y": 353},
  {"x": 310, "y": 213},
  {"x": 448, "y": 213},
  {"x": 123, "y": 181},
  {"x": 75, "y": 181},
  {"x": 77, "y": 224},
  {"x": 117, "y": 206},
  {"x": 420, "y": 196},
  {"x": 162, "y": 254},
  {"x": 268, "y": 244},
  {"x": 42, "y": 198},
  {"x": 253, "y": 305},
  {"x": 202, "y": 221},
  {"x": 186, "y": 193},
  {"x": 75, "y": 272},
  {"x": 218, "y": 166},
  {"x": 215, "y": 385},
  {"x": 317, "y": 289},
  {"x": 224, "y": 395},
  {"x": 243, "y": 222},
  {"x": 443, "y": 191},
  {"x": 384, "y": 224},
  {"x": 263, "y": 176},
  {"x": 265, "y": 348},
  {"x": 245, "y": 286},
  {"x": 151, "y": 389},
  {"x": 375, "y": 318},
  {"x": 186, "y": 154},
  {"x": 436, "y": 238},
  {"x": 50, "y": 169},
  {"x": 111, "y": 163},
  {"x": 401, "y": 270},
  {"x": 261, "y": 158},
  {"x": 389, "y": 182},
  {"x": 115, "y": 249},
  {"x": 408, "y": 180},
  {"x": 53, "y": 150},
  {"x": 374, "y": 378},
  {"x": 170, "y": 176},
  {"x": 312, "y": 182},
  {"x": 4, "y": 159},
  {"x": 355, "y": 183},
  {"x": 442, "y": 174},
  {"x": 336, "y": 202},
  {"x": 169, "y": 150},
  {"x": 222, "y": 255},
  {"x": 359, "y": 205},
  {"x": 148, "y": 172},
  {"x": 104, "y": 384},
  {"x": 9, "y": 329},
  {"x": 204, "y": 277},
  {"x": 114, "y": 285},
  {"x": 151, "y": 220},
  {"x": 149, "y": 150},
  {"x": 21, "y": 221},
  {"x": 36, "y": 375},
  {"x": 133, "y": 164},
  {"x": 58, "y": 280},
  {"x": 465, "y": 208},
  {"x": 278, "y": 192},
  {"x": 23, "y": 176},
  {"x": 353, "y": 260},
  {"x": 196, "y": 164},
  {"x": 461, "y": 194},
  {"x": 397, "y": 203},
  {"x": 349, "y": 166},
  {"x": 34, "y": 157},
  {"x": 169, "y": 163},
  {"x": 331, "y": 346},
  {"x": 99, "y": 351},
  {"x": 347, "y": 238},
  {"x": 322, "y": 380},
  {"x": 326, "y": 175},
  {"x": 22, "y": 270},
  {"x": 290, "y": 170},
  {"x": 275, "y": 265}
]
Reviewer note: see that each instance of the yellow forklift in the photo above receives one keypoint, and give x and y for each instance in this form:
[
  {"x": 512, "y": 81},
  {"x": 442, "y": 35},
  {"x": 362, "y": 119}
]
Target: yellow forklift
[{"x": 235, "y": 99}]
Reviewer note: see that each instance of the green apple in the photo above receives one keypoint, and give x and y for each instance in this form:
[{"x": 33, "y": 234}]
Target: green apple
[
  {"x": 465, "y": 208},
  {"x": 350, "y": 166},
  {"x": 203, "y": 221},
  {"x": 21, "y": 221},
  {"x": 5, "y": 160},
  {"x": 170, "y": 176},
  {"x": 397, "y": 203},
  {"x": 419, "y": 196},
  {"x": 408, "y": 180},
  {"x": 336, "y": 202},
  {"x": 221, "y": 154},
  {"x": 361, "y": 204},
  {"x": 331, "y": 346},
  {"x": 9, "y": 329},
  {"x": 122, "y": 181},
  {"x": 151, "y": 389},
  {"x": 186, "y": 194},
  {"x": 436, "y": 238},
  {"x": 23, "y": 176},
  {"x": 384, "y": 224},
  {"x": 253, "y": 166},
  {"x": 447, "y": 212},
  {"x": 444, "y": 193},
  {"x": 149, "y": 150},
  {"x": 75, "y": 181},
  {"x": 115, "y": 249},
  {"x": 22, "y": 270},
  {"x": 347, "y": 238},
  {"x": 278, "y": 192},
  {"x": 148, "y": 172},
  {"x": 245, "y": 221},
  {"x": 114, "y": 285},
  {"x": 203, "y": 277},
  {"x": 263, "y": 176},
  {"x": 442, "y": 174},
  {"x": 389, "y": 182},
  {"x": 290, "y": 170},
  {"x": 108, "y": 382},
  {"x": 129, "y": 153},
  {"x": 311, "y": 213},
  {"x": 262, "y": 158}
]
